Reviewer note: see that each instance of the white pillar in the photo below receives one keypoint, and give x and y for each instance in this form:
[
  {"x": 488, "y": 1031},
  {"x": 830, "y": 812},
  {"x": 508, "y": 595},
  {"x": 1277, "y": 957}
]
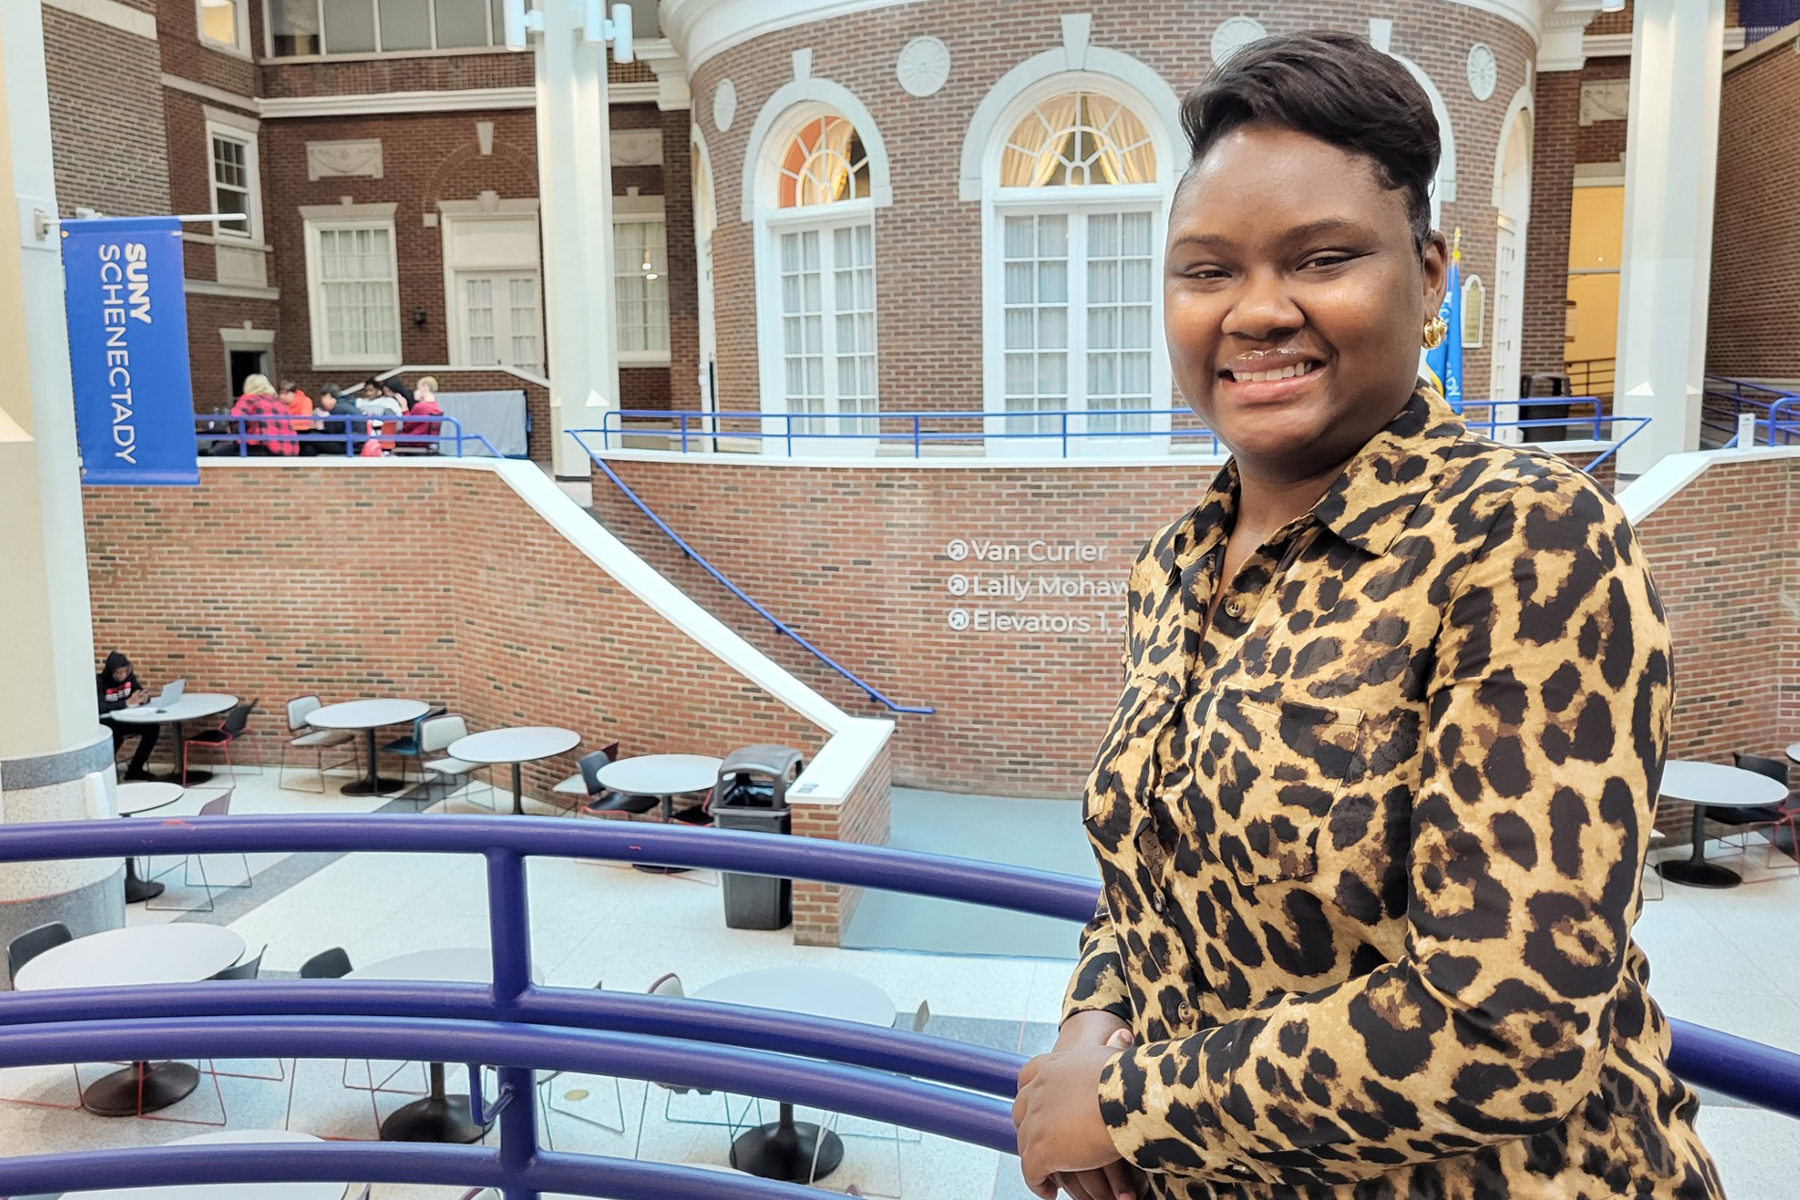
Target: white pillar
[
  {"x": 575, "y": 193},
  {"x": 1671, "y": 165},
  {"x": 55, "y": 756}
]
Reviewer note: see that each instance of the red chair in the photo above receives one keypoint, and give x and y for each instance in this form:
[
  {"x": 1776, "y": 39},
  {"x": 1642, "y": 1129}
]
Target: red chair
[
  {"x": 1768, "y": 820},
  {"x": 234, "y": 727}
]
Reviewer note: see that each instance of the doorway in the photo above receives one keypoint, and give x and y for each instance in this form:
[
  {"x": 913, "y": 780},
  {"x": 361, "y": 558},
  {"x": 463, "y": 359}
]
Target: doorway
[{"x": 241, "y": 364}]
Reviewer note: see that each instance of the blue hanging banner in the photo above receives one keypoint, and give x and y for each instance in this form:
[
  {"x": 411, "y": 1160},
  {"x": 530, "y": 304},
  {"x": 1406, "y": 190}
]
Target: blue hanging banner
[{"x": 128, "y": 351}]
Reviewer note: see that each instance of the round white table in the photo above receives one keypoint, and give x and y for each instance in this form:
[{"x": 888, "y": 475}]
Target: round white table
[
  {"x": 664, "y": 776},
  {"x": 135, "y": 798},
  {"x": 786, "y": 1149},
  {"x": 227, "y": 1191},
  {"x": 1793, "y": 752},
  {"x": 176, "y": 953},
  {"x": 368, "y": 716},
  {"x": 440, "y": 1116},
  {"x": 193, "y": 706},
  {"x": 523, "y": 744},
  {"x": 1711, "y": 785}
]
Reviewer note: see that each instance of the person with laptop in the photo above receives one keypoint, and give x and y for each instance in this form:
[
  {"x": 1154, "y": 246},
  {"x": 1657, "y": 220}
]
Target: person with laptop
[{"x": 117, "y": 687}]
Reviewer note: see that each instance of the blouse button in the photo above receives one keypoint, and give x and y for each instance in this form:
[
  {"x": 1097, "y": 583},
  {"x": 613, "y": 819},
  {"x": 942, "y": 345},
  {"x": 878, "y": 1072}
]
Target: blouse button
[{"x": 1235, "y": 608}]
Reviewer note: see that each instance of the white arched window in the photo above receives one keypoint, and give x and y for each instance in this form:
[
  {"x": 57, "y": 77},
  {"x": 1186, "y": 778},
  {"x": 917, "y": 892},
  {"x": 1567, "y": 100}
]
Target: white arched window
[
  {"x": 1076, "y": 208},
  {"x": 817, "y": 277}
]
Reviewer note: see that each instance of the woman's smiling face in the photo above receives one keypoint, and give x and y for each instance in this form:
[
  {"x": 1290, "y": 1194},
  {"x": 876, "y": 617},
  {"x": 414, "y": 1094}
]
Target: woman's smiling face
[{"x": 1294, "y": 299}]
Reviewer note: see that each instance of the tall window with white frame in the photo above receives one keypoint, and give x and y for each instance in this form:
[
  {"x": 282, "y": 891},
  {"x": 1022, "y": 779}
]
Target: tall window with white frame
[
  {"x": 641, "y": 286},
  {"x": 1075, "y": 210},
  {"x": 355, "y": 294},
  {"x": 234, "y": 171},
  {"x": 821, "y": 248}
]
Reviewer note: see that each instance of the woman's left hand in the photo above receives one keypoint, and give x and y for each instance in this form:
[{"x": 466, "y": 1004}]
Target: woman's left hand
[{"x": 1057, "y": 1114}]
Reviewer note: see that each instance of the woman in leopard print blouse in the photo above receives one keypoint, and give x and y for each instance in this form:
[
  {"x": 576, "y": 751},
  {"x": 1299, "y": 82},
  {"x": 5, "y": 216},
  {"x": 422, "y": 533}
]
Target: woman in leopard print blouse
[{"x": 1372, "y": 810}]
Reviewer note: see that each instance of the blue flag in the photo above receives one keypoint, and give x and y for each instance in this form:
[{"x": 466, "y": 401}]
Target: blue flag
[
  {"x": 128, "y": 351},
  {"x": 1447, "y": 360}
]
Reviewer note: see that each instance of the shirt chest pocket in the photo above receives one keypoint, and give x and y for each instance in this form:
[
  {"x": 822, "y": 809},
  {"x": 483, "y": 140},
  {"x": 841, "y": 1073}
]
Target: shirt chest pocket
[{"x": 1266, "y": 772}]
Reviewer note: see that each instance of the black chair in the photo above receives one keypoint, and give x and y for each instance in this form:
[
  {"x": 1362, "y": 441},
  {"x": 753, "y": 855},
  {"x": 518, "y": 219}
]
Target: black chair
[
  {"x": 235, "y": 726},
  {"x": 33, "y": 942},
  {"x": 585, "y": 782},
  {"x": 248, "y": 969},
  {"x": 409, "y": 744},
  {"x": 327, "y": 964}
]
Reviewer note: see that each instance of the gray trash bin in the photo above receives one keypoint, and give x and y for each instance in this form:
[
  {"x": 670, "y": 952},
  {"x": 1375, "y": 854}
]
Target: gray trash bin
[{"x": 751, "y": 797}]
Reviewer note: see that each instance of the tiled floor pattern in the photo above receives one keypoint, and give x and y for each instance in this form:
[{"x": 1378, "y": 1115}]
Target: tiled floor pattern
[{"x": 1720, "y": 958}]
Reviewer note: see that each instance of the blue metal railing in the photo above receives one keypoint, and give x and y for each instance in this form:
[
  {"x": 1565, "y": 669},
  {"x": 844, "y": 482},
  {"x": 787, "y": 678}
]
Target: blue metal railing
[
  {"x": 689, "y": 432},
  {"x": 701, "y": 561},
  {"x": 1725, "y": 398},
  {"x": 517, "y": 1027},
  {"x": 352, "y": 432}
]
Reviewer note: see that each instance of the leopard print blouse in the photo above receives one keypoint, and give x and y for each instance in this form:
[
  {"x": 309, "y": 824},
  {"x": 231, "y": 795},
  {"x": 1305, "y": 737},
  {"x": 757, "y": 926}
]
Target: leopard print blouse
[{"x": 1371, "y": 845}]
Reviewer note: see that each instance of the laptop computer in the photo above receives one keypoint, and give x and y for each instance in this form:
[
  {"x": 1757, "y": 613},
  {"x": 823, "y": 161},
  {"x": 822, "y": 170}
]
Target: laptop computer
[{"x": 168, "y": 696}]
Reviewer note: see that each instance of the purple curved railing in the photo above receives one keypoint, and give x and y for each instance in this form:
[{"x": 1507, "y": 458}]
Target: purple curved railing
[{"x": 911, "y": 1079}]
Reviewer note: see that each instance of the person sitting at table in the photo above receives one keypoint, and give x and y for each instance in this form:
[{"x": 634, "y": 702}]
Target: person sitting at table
[
  {"x": 346, "y": 423},
  {"x": 418, "y": 424},
  {"x": 378, "y": 399},
  {"x": 299, "y": 406},
  {"x": 117, "y": 687},
  {"x": 265, "y": 428}
]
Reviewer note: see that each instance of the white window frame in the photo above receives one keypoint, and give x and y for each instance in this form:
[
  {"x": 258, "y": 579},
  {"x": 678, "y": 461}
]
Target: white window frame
[
  {"x": 240, "y": 23},
  {"x": 496, "y": 37},
  {"x": 319, "y": 219},
  {"x": 245, "y": 137},
  {"x": 454, "y": 213},
  {"x": 824, "y": 219},
  {"x": 643, "y": 210},
  {"x": 998, "y": 202}
]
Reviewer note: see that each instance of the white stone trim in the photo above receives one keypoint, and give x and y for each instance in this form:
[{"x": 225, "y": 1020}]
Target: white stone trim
[
  {"x": 1148, "y": 91},
  {"x": 701, "y": 29},
  {"x": 461, "y": 100},
  {"x": 228, "y": 119},
  {"x": 1521, "y": 103},
  {"x": 797, "y": 92},
  {"x": 1523, "y": 13},
  {"x": 207, "y": 92},
  {"x": 110, "y": 13},
  {"x": 1618, "y": 45},
  {"x": 1673, "y": 472},
  {"x": 348, "y": 212}
]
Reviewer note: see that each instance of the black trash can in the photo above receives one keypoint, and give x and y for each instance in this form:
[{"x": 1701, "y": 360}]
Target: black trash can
[
  {"x": 1545, "y": 383},
  {"x": 751, "y": 797}
]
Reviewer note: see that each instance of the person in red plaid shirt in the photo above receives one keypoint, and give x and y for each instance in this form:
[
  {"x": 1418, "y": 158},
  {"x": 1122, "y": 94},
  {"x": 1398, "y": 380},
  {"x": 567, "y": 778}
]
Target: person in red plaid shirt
[{"x": 268, "y": 429}]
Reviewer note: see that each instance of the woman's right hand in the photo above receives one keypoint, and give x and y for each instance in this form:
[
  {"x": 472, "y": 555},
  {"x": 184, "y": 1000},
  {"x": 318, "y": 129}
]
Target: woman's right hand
[{"x": 1117, "y": 1180}]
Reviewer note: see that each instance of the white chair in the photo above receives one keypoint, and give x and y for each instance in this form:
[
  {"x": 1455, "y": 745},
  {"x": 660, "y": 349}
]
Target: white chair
[
  {"x": 670, "y": 986},
  {"x": 435, "y": 735},
  {"x": 920, "y": 1019},
  {"x": 316, "y": 740},
  {"x": 548, "y": 1101}
]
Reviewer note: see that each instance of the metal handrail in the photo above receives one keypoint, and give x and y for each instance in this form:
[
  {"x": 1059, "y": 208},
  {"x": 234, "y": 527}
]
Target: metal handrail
[
  {"x": 701, "y": 561},
  {"x": 517, "y": 1027},
  {"x": 349, "y": 437},
  {"x": 693, "y": 427}
]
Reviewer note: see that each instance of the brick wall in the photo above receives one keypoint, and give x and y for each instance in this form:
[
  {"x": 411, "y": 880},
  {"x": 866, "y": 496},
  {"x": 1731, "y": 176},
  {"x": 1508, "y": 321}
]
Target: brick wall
[
  {"x": 184, "y": 55},
  {"x": 106, "y": 127},
  {"x": 823, "y": 910},
  {"x": 1753, "y": 326},
  {"x": 1602, "y": 141},
  {"x": 207, "y": 316},
  {"x": 1721, "y": 553},
  {"x": 1556, "y": 110},
  {"x": 858, "y": 560},
  {"x": 426, "y": 157},
  {"x": 927, "y": 243},
  {"x": 242, "y": 585}
]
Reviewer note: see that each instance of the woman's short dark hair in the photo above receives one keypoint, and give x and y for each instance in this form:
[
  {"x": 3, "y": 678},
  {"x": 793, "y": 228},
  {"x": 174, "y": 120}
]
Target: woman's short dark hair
[{"x": 1332, "y": 86}]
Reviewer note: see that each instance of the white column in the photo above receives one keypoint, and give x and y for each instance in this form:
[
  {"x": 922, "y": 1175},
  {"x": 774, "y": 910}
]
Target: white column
[
  {"x": 55, "y": 756},
  {"x": 47, "y": 650},
  {"x": 1671, "y": 162},
  {"x": 575, "y": 191}
]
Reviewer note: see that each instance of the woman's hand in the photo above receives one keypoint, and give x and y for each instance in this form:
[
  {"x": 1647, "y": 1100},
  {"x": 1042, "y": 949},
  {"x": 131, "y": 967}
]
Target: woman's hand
[{"x": 1063, "y": 1143}]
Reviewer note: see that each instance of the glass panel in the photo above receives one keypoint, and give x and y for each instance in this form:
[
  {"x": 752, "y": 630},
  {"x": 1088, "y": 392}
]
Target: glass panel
[
  {"x": 357, "y": 287},
  {"x": 349, "y": 26},
  {"x": 219, "y": 21},
  {"x": 293, "y": 27},
  {"x": 822, "y": 164},
  {"x": 462, "y": 23},
  {"x": 1078, "y": 139},
  {"x": 405, "y": 24},
  {"x": 1119, "y": 307}
]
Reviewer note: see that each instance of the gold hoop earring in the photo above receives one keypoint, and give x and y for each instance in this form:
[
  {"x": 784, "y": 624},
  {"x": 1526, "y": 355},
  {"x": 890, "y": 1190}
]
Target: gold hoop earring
[{"x": 1436, "y": 330}]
